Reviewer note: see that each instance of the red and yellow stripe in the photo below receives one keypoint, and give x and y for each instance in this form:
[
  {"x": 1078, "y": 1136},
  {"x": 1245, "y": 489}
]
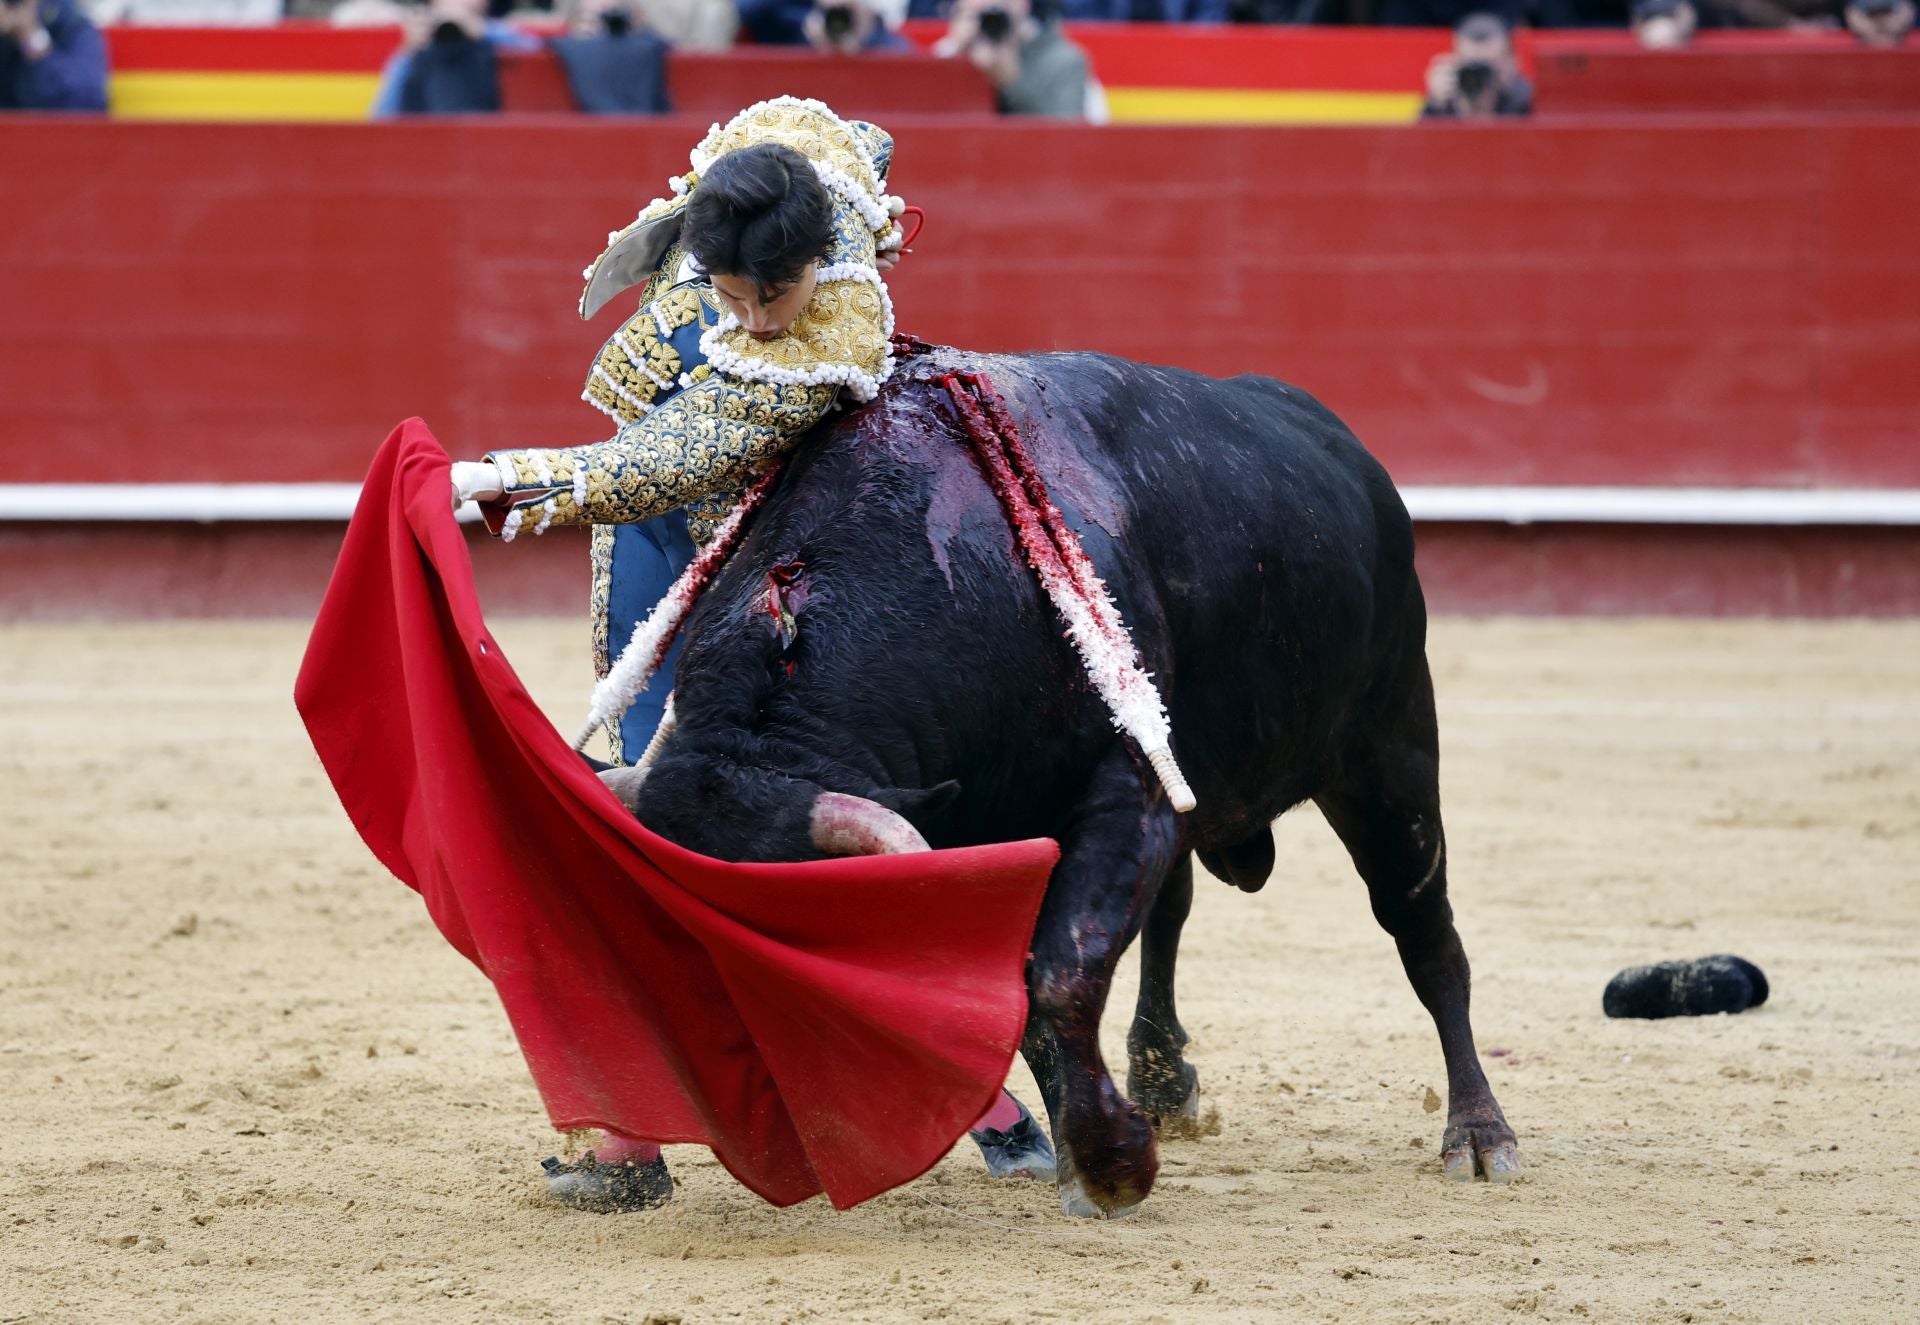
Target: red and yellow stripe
[
  {"x": 1152, "y": 73},
  {"x": 293, "y": 71}
]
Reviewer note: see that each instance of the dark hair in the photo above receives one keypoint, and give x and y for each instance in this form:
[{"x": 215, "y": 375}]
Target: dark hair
[{"x": 760, "y": 213}]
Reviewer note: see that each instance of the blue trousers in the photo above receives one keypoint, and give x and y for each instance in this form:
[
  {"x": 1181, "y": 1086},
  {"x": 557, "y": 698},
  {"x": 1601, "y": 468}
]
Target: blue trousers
[{"x": 647, "y": 559}]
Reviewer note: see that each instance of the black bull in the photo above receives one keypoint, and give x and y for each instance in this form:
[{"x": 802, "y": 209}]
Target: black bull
[{"x": 1264, "y": 563}]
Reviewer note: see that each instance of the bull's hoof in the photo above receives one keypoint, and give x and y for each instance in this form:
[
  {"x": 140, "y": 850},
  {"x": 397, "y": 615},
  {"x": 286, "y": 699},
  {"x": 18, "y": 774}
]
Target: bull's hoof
[
  {"x": 1128, "y": 1161},
  {"x": 608, "y": 1188},
  {"x": 1077, "y": 1202},
  {"x": 1170, "y": 1097},
  {"x": 1022, "y": 1151},
  {"x": 1485, "y": 1149}
]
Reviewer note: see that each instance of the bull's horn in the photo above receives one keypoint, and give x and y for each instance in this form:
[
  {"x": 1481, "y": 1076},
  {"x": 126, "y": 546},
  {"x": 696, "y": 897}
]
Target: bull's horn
[
  {"x": 624, "y": 783},
  {"x": 854, "y": 826}
]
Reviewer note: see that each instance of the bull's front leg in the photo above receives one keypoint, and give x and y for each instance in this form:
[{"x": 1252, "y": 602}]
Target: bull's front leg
[{"x": 1120, "y": 845}]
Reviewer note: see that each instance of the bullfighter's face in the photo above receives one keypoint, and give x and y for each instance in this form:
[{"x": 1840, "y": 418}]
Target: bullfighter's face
[{"x": 765, "y": 314}]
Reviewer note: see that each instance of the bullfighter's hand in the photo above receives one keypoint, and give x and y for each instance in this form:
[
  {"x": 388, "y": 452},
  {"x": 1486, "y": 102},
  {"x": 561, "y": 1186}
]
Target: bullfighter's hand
[
  {"x": 887, "y": 258},
  {"x": 476, "y": 481}
]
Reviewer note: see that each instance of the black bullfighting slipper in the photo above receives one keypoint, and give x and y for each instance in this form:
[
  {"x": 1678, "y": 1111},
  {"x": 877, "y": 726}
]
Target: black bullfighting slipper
[
  {"x": 1700, "y": 988},
  {"x": 608, "y": 1188},
  {"x": 1022, "y": 1151}
]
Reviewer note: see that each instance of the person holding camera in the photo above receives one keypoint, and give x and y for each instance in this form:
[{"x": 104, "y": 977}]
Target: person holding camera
[
  {"x": 687, "y": 25},
  {"x": 1034, "y": 68},
  {"x": 447, "y": 63},
  {"x": 849, "y": 27},
  {"x": 614, "y": 63},
  {"x": 51, "y": 57},
  {"x": 1478, "y": 79}
]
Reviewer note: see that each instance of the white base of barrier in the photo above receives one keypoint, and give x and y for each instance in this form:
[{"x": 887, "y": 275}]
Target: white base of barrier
[{"x": 206, "y": 503}]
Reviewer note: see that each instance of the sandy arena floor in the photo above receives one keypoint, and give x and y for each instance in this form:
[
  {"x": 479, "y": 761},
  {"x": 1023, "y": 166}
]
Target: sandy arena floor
[{"x": 243, "y": 1079}]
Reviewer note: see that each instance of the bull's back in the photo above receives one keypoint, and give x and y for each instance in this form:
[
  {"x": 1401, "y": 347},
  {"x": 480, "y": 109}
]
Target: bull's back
[
  {"x": 1265, "y": 564},
  {"x": 1258, "y": 555}
]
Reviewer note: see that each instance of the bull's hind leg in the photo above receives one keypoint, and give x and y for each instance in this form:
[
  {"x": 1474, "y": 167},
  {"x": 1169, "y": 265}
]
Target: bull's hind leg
[
  {"x": 1386, "y": 809},
  {"x": 1159, "y": 1078},
  {"x": 1114, "y": 854}
]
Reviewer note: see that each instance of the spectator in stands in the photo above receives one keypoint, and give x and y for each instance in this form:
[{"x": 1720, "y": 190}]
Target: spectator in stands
[
  {"x": 841, "y": 26},
  {"x": 1034, "y": 68},
  {"x": 447, "y": 63},
  {"x": 614, "y": 65},
  {"x": 1664, "y": 25},
  {"x": 692, "y": 25},
  {"x": 1478, "y": 78},
  {"x": 848, "y": 27},
  {"x": 1880, "y": 22},
  {"x": 51, "y": 57}
]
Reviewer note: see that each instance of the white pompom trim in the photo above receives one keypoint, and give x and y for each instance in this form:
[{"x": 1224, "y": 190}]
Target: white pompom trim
[
  {"x": 617, "y": 390},
  {"x": 588, "y": 397},
  {"x": 639, "y": 361},
  {"x": 872, "y": 212},
  {"x": 859, "y": 383}
]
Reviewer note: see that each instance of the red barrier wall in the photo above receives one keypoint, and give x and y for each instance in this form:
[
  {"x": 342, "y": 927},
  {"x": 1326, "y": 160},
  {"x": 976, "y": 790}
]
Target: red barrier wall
[
  {"x": 1692, "y": 302},
  {"x": 1628, "y": 80},
  {"x": 699, "y": 83}
]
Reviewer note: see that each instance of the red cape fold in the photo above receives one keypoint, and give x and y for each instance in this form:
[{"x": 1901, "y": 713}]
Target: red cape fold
[{"x": 825, "y": 1027}]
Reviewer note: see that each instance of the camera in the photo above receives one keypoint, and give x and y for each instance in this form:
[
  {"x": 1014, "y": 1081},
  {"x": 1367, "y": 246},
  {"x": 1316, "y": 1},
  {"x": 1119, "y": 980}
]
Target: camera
[
  {"x": 615, "y": 23},
  {"x": 449, "y": 33},
  {"x": 1473, "y": 77},
  {"x": 836, "y": 21},
  {"x": 996, "y": 24}
]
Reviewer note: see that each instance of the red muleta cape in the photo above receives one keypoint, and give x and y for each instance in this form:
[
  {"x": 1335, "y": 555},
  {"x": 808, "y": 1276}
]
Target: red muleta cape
[{"x": 831, "y": 1026}]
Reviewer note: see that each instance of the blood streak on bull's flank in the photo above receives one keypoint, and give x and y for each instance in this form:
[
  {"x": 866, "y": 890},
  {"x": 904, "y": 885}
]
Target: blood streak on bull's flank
[{"x": 1069, "y": 578}]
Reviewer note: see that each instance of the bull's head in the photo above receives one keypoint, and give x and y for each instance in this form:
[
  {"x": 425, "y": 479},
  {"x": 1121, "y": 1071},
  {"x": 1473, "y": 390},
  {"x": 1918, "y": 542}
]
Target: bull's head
[{"x": 737, "y": 813}]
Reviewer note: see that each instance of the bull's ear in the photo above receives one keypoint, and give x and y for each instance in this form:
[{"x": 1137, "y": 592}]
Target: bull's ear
[{"x": 921, "y": 807}]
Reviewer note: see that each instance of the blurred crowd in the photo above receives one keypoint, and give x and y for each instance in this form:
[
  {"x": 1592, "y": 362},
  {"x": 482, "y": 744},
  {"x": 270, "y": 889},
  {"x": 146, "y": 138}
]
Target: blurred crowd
[
  {"x": 614, "y": 51},
  {"x": 52, "y": 56}
]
